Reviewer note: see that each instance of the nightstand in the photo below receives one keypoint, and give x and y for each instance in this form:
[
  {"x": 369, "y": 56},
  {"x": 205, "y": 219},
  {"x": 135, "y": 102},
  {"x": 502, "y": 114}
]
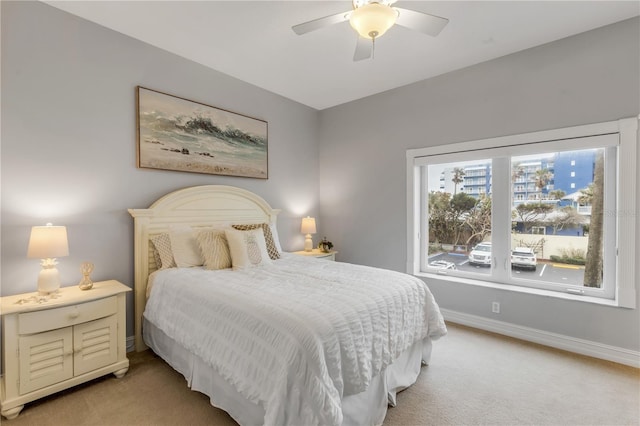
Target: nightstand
[
  {"x": 331, "y": 255},
  {"x": 55, "y": 343}
]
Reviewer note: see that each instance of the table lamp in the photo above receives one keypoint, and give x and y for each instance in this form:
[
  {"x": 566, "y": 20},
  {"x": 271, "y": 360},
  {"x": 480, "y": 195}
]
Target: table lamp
[
  {"x": 308, "y": 227},
  {"x": 47, "y": 243}
]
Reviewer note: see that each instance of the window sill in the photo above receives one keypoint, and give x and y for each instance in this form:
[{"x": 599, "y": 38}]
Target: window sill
[{"x": 525, "y": 290}]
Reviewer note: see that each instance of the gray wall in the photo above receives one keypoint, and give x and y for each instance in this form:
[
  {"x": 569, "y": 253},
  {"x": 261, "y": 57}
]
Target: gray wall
[
  {"x": 69, "y": 142},
  {"x": 589, "y": 78},
  {"x": 68, "y": 149}
]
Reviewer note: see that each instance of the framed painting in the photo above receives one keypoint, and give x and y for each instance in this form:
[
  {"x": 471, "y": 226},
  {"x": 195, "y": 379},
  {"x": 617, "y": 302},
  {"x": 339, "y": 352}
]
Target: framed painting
[{"x": 183, "y": 135}]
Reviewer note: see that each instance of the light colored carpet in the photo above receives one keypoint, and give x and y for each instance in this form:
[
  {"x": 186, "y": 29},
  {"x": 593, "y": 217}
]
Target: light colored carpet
[{"x": 475, "y": 378}]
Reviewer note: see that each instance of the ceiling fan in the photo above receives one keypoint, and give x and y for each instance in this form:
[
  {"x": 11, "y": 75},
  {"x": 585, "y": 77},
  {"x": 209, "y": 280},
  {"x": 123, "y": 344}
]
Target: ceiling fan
[{"x": 371, "y": 19}]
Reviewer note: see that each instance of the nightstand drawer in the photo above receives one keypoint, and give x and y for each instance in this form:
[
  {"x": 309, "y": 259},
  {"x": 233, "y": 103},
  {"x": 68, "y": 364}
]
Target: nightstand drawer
[{"x": 50, "y": 319}]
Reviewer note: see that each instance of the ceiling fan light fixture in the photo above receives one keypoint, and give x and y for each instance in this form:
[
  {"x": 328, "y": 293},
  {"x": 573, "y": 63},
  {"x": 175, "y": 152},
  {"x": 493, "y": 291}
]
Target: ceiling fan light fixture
[{"x": 373, "y": 20}]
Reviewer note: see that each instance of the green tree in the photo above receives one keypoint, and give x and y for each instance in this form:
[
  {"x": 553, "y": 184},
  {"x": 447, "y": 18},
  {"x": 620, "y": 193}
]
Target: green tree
[
  {"x": 461, "y": 205},
  {"x": 478, "y": 220},
  {"x": 439, "y": 206},
  {"x": 541, "y": 179},
  {"x": 516, "y": 171},
  {"x": 593, "y": 266},
  {"x": 586, "y": 195},
  {"x": 458, "y": 177},
  {"x": 448, "y": 216},
  {"x": 532, "y": 214},
  {"x": 565, "y": 217},
  {"x": 557, "y": 194}
]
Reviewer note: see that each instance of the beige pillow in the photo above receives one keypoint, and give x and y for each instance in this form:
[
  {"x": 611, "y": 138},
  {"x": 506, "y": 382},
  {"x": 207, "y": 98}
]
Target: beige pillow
[
  {"x": 184, "y": 246},
  {"x": 214, "y": 249},
  {"x": 162, "y": 245},
  {"x": 272, "y": 247},
  {"x": 247, "y": 248}
]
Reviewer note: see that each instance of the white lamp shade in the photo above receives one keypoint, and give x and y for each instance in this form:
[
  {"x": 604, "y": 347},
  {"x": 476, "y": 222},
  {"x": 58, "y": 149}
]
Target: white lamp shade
[
  {"x": 373, "y": 20},
  {"x": 308, "y": 225},
  {"x": 48, "y": 242}
]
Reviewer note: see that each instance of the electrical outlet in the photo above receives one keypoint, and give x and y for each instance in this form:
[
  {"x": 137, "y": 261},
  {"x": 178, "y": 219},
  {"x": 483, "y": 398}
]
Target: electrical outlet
[{"x": 495, "y": 307}]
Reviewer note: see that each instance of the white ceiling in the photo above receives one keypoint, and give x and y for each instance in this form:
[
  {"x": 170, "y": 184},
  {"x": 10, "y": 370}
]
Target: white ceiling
[{"x": 253, "y": 40}]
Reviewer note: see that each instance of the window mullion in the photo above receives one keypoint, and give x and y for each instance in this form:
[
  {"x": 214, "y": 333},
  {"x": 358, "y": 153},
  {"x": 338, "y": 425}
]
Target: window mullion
[{"x": 501, "y": 218}]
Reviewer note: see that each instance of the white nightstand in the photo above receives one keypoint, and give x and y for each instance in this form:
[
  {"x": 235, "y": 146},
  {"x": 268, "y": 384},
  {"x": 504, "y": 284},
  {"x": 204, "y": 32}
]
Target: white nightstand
[
  {"x": 331, "y": 255},
  {"x": 55, "y": 344}
]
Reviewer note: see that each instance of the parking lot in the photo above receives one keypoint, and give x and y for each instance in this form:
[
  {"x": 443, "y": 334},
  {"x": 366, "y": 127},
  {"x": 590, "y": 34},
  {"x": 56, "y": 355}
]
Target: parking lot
[{"x": 545, "y": 271}]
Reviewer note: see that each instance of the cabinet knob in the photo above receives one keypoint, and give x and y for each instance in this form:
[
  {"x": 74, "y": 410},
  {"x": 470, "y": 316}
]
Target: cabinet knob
[{"x": 75, "y": 314}]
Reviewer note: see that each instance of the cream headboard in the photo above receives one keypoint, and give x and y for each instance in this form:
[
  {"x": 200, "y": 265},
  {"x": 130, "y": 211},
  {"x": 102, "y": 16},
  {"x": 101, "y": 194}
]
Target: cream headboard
[{"x": 198, "y": 206}]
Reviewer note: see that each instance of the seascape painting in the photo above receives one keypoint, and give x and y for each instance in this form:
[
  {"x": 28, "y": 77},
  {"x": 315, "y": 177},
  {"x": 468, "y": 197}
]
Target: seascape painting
[{"x": 179, "y": 134}]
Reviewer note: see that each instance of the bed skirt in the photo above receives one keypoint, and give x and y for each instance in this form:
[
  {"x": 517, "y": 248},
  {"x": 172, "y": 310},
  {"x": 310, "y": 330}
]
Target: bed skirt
[{"x": 365, "y": 408}]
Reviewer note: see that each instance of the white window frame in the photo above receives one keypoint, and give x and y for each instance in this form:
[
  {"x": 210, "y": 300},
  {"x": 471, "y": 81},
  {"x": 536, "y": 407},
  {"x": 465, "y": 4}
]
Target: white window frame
[{"x": 626, "y": 130}]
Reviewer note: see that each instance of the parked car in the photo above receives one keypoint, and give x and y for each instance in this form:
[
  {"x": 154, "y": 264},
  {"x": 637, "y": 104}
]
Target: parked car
[
  {"x": 523, "y": 257},
  {"x": 442, "y": 264},
  {"x": 481, "y": 255}
]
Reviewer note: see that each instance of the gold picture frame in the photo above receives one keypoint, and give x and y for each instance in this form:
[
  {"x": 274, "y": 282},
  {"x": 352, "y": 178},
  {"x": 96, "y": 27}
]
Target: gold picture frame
[{"x": 178, "y": 134}]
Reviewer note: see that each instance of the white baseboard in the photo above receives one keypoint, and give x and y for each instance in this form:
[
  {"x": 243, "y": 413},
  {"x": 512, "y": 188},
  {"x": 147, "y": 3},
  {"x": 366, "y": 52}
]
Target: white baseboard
[{"x": 554, "y": 340}]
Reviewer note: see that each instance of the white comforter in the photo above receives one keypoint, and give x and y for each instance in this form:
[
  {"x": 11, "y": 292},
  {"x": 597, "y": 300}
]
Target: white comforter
[{"x": 296, "y": 335}]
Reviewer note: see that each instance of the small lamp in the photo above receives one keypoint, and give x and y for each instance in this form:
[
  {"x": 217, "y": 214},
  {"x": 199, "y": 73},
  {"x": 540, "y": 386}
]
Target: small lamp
[
  {"x": 47, "y": 243},
  {"x": 308, "y": 227}
]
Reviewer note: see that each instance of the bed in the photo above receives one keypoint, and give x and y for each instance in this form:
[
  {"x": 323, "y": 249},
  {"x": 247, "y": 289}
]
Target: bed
[{"x": 275, "y": 338}]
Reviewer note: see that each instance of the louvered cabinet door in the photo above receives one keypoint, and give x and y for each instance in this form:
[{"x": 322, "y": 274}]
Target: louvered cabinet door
[
  {"x": 50, "y": 343},
  {"x": 95, "y": 344},
  {"x": 45, "y": 359}
]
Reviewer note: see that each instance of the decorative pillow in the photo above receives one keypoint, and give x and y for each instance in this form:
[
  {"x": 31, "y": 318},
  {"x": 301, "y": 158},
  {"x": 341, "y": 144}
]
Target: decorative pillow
[
  {"x": 162, "y": 245},
  {"x": 184, "y": 246},
  {"x": 214, "y": 249},
  {"x": 248, "y": 248},
  {"x": 156, "y": 256},
  {"x": 276, "y": 239},
  {"x": 272, "y": 249}
]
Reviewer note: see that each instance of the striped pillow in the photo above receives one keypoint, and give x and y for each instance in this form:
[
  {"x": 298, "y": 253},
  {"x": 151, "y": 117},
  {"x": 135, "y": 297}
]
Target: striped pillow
[
  {"x": 272, "y": 249},
  {"x": 215, "y": 249}
]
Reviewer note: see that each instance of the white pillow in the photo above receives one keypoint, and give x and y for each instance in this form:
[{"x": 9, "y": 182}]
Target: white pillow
[
  {"x": 272, "y": 249},
  {"x": 185, "y": 248},
  {"x": 274, "y": 234},
  {"x": 248, "y": 248}
]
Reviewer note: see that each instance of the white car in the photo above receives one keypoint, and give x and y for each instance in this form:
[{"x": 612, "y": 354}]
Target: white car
[
  {"x": 523, "y": 257},
  {"x": 481, "y": 255}
]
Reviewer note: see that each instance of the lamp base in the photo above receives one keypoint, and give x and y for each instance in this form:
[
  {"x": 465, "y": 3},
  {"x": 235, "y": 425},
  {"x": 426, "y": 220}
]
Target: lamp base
[
  {"x": 49, "y": 277},
  {"x": 308, "y": 243}
]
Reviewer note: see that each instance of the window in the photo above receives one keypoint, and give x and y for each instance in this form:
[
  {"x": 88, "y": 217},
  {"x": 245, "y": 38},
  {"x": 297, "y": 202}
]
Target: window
[
  {"x": 537, "y": 230},
  {"x": 576, "y": 247}
]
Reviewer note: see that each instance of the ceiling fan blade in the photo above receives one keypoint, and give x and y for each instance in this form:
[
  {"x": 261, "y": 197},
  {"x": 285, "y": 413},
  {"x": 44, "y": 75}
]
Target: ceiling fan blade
[
  {"x": 364, "y": 46},
  {"x": 420, "y": 21},
  {"x": 319, "y": 23}
]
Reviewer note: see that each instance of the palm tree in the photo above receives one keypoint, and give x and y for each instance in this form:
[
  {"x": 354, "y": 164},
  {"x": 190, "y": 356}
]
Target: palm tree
[
  {"x": 516, "y": 171},
  {"x": 458, "y": 177},
  {"x": 586, "y": 195},
  {"x": 542, "y": 178},
  {"x": 593, "y": 266},
  {"x": 557, "y": 194}
]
